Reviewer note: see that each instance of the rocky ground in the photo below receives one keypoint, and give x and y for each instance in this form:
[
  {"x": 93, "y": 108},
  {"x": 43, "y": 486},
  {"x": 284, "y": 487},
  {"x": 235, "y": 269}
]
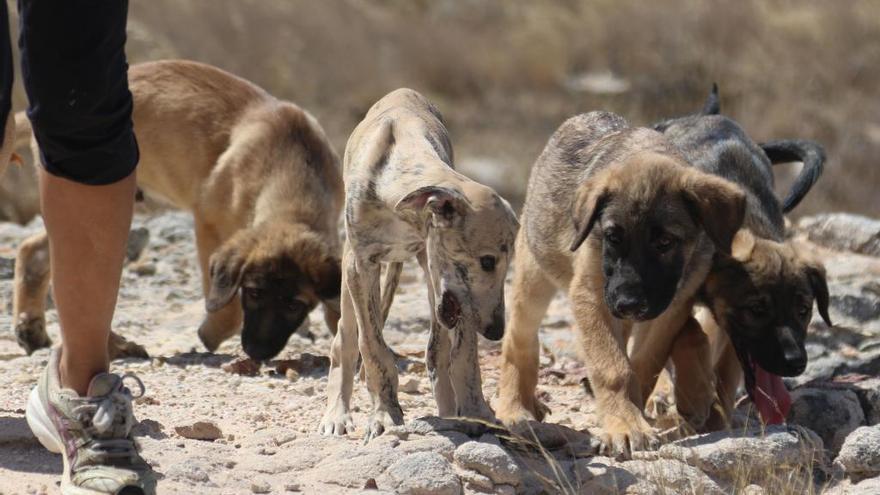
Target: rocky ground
[{"x": 208, "y": 430}]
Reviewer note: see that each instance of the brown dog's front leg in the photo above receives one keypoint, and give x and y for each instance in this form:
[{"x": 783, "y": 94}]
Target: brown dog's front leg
[
  {"x": 613, "y": 381},
  {"x": 694, "y": 378},
  {"x": 32, "y": 274}
]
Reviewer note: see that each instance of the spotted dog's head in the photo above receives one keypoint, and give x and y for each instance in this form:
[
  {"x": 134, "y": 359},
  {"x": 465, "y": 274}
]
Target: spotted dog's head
[
  {"x": 471, "y": 231},
  {"x": 282, "y": 272}
]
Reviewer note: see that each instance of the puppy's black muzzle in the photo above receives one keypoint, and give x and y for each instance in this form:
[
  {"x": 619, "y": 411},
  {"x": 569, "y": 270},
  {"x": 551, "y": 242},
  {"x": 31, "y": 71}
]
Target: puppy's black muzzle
[
  {"x": 781, "y": 352},
  {"x": 495, "y": 330}
]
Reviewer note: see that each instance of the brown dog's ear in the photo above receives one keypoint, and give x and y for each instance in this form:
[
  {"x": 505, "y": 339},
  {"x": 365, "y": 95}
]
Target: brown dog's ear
[
  {"x": 742, "y": 245},
  {"x": 717, "y": 205},
  {"x": 326, "y": 278},
  {"x": 226, "y": 271},
  {"x": 816, "y": 275},
  {"x": 443, "y": 203},
  {"x": 586, "y": 211}
]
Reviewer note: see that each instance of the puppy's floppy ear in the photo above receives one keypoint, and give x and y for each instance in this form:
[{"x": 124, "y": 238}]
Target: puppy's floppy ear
[
  {"x": 816, "y": 275},
  {"x": 444, "y": 204},
  {"x": 742, "y": 245},
  {"x": 227, "y": 266},
  {"x": 326, "y": 277},
  {"x": 586, "y": 210},
  {"x": 718, "y": 205}
]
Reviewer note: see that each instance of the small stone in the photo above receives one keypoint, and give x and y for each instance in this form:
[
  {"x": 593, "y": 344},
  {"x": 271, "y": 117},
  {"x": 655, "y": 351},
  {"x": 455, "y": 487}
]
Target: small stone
[
  {"x": 291, "y": 374},
  {"x": 261, "y": 487},
  {"x": 410, "y": 386},
  {"x": 753, "y": 490},
  {"x": 371, "y": 484},
  {"x": 292, "y": 487},
  {"x": 144, "y": 269},
  {"x": 200, "y": 430},
  {"x": 308, "y": 391}
]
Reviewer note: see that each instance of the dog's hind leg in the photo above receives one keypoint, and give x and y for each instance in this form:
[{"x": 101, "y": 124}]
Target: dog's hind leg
[
  {"x": 343, "y": 360},
  {"x": 465, "y": 374},
  {"x": 437, "y": 355},
  {"x": 694, "y": 377},
  {"x": 530, "y": 297},
  {"x": 32, "y": 274},
  {"x": 380, "y": 369}
]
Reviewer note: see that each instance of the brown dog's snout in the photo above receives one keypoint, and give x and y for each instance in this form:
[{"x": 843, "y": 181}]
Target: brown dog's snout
[{"x": 794, "y": 353}]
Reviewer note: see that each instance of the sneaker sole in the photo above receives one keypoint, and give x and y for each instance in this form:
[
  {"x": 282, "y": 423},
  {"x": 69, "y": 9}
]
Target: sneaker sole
[{"x": 45, "y": 431}]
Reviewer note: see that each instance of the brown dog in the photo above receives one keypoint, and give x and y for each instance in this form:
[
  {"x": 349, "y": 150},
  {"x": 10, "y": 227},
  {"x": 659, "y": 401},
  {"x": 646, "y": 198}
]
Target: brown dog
[
  {"x": 760, "y": 296},
  {"x": 650, "y": 224},
  {"x": 265, "y": 190}
]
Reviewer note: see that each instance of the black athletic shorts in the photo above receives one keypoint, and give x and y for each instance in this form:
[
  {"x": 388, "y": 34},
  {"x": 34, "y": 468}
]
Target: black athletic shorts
[{"x": 76, "y": 77}]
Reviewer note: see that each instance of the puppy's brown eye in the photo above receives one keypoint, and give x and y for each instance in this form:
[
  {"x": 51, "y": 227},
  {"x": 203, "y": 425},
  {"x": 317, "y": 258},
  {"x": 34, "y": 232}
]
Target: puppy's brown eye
[
  {"x": 488, "y": 263},
  {"x": 253, "y": 293},
  {"x": 805, "y": 310},
  {"x": 664, "y": 243},
  {"x": 613, "y": 236}
]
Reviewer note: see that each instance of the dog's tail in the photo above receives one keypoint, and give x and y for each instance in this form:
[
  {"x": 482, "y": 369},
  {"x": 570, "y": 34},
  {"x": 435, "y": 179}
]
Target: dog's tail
[
  {"x": 392, "y": 279},
  {"x": 712, "y": 105},
  {"x": 812, "y": 155}
]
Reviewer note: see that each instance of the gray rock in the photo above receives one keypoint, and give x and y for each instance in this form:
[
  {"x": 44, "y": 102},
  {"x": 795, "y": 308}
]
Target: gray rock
[
  {"x": 724, "y": 455},
  {"x": 138, "y": 238},
  {"x": 200, "y": 430},
  {"x": 489, "y": 460},
  {"x": 353, "y": 468},
  {"x": 7, "y": 268},
  {"x": 865, "y": 487},
  {"x": 832, "y": 414},
  {"x": 603, "y": 475},
  {"x": 843, "y": 232},
  {"x": 422, "y": 473},
  {"x": 860, "y": 453}
]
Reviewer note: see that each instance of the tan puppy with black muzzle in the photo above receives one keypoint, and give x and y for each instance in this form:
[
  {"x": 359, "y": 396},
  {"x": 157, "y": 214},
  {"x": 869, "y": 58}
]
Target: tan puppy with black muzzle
[
  {"x": 649, "y": 225},
  {"x": 404, "y": 200},
  {"x": 265, "y": 190}
]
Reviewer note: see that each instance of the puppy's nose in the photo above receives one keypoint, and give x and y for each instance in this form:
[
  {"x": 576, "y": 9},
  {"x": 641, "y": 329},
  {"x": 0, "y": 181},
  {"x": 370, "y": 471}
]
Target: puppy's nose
[
  {"x": 495, "y": 330},
  {"x": 795, "y": 356},
  {"x": 629, "y": 305}
]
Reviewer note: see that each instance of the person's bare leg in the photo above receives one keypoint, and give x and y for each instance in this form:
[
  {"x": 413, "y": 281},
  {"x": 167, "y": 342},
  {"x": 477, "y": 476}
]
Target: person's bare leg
[{"x": 88, "y": 228}]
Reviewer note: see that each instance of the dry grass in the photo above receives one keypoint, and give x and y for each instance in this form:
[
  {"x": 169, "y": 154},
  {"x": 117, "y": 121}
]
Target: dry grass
[{"x": 500, "y": 70}]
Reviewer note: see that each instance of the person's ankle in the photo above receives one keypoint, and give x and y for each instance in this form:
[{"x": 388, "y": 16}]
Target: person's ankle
[{"x": 77, "y": 375}]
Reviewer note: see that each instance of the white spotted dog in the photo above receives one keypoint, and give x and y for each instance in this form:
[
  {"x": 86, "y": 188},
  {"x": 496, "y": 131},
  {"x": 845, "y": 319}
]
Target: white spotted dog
[{"x": 404, "y": 200}]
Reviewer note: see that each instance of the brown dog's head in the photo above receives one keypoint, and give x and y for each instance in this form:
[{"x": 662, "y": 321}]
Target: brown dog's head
[
  {"x": 282, "y": 271},
  {"x": 763, "y": 294},
  {"x": 647, "y": 212}
]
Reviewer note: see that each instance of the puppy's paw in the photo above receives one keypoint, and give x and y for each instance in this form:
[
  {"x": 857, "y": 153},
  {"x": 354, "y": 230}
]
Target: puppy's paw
[
  {"x": 478, "y": 410},
  {"x": 380, "y": 421},
  {"x": 30, "y": 331},
  {"x": 119, "y": 347},
  {"x": 513, "y": 413},
  {"x": 336, "y": 421},
  {"x": 624, "y": 433}
]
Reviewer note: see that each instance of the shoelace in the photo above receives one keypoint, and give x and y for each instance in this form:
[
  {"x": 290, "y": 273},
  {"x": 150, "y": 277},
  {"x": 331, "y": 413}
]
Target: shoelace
[{"x": 104, "y": 413}]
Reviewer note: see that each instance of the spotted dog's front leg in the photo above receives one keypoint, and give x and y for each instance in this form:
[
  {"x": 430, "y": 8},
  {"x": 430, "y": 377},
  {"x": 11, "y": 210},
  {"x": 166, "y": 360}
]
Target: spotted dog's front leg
[
  {"x": 379, "y": 364},
  {"x": 343, "y": 359},
  {"x": 437, "y": 355},
  {"x": 465, "y": 374}
]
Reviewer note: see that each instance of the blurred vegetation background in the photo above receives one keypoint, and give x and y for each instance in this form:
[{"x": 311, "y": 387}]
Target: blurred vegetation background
[{"x": 506, "y": 73}]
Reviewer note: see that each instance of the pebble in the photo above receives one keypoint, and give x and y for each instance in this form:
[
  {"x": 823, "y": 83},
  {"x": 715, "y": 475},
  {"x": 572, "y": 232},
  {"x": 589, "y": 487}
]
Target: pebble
[{"x": 200, "y": 430}]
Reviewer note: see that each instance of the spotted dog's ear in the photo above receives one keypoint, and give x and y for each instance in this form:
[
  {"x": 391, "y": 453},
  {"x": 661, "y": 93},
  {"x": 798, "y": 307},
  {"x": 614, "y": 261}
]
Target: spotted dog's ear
[{"x": 444, "y": 204}]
